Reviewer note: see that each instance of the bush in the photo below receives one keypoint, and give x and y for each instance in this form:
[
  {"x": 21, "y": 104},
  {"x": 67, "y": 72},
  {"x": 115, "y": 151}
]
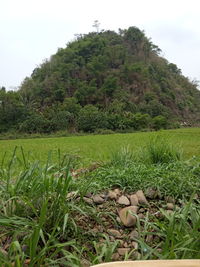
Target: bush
[
  {"x": 159, "y": 122},
  {"x": 90, "y": 119},
  {"x": 35, "y": 123}
]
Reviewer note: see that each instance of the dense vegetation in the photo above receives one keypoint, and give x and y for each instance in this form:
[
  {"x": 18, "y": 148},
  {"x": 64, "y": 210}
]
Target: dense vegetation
[{"x": 102, "y": 80}]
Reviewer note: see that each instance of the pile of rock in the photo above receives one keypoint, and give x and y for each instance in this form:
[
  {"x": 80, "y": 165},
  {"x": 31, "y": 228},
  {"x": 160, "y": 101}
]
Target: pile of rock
[{"x": 128, "y": 209}]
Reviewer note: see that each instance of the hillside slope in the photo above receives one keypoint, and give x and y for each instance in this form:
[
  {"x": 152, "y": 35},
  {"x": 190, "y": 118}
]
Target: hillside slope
[{"x": 116, "y": 73}]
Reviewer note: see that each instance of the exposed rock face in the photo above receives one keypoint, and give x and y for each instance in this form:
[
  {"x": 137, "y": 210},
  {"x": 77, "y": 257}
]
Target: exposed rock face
[{"x": 127, "y": 217}]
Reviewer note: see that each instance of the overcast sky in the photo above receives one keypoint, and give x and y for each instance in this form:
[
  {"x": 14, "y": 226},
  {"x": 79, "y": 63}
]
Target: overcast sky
[{"x": 32, "y": 30}]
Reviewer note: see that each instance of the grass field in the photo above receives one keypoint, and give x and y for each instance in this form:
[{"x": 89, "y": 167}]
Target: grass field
[
  {"x": 49, "y": 217},
  {"x": 99, "y": 147}
]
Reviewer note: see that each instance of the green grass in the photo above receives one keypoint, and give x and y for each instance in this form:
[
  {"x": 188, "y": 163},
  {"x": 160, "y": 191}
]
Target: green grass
[
  {"x": 99, "y": 147},
  {"x": 40, "y": 226}
]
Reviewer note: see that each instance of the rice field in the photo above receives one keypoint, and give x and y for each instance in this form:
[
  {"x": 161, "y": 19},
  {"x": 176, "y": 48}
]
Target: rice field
[{"x": 98, "y": 147}]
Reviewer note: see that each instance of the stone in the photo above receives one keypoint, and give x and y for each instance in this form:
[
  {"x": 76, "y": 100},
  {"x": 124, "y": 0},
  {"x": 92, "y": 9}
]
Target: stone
[
  {"x": 118, "y": 219},
  {"x": 141, "y": 216},
  {"x": 88, "y": 195},
  {"x": 115, "y": 257},
  {"x": 141, "y": 210},
  {"x": 170, "y": 206},
  {"x": 114, "y": 233},
  {"x": 103, "y": 195},
  {"x": 71, "y": 194},
  {"x": 169, "y": 199},
  {"x": 125, "y": 245},
  {"x": 133, "y": 235},
  {"x": 123, "y": 251},
  {"x": 85, "y": 263},
  {"x": 134, "y": 245},
  {"x": 123, "y": 200},
  {"x": 97, "y": 199},
  {"x": 136, "y": 255},
  {"x": 151, "y": 193},
  {"x": 141, "y": 198},
  {"x": 88, "y": 200},
  {"x": 134, "y": 200},
  {"x": 117, "y": 191},
  {"x": 126, "y": 217},
  {"x": 112, "y": 195}
]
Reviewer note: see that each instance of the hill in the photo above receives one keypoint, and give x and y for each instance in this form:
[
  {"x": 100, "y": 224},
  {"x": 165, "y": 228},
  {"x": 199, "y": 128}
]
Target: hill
[{"x": 105, "y": 80}]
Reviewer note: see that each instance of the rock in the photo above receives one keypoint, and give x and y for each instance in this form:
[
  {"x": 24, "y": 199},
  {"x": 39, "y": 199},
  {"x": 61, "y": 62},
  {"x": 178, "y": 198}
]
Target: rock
[
  {"x": 97, "y": 199},
  {"x": 133, "y": 235},
  {"x": 85, "y": 263},
  {"x": 114, "y": 233},
  {"x": 118, "y": 219},
  {"x": 88, "y": 200},
  {"x": 170, "y": 206},
  {"x": 141, "y": 210},
  {"x": 117, "y": 191},
  {"x": 72, "y": 194},
  {"x": 115, "y": 256},
  {"x": 103, "y": 195},
  {"x": 151, "y": 193},
  {"x": 134, "y": 245},
  {"x": 141, "y": 216},
  {"x": 170, "y": 199},
  {"x": 136, "y": 255},
  {"x": 112, "y": 195},
  {"x": 88, "y": 195},
  {"x": 134, "y": 200},
  {"x": 123, "y": 251},
  {"x": 141, "y": 198},
  {"x": 123, "y": 200},
  {"x": 126, "y": 217},
  {"x": 125, "y": 245}
]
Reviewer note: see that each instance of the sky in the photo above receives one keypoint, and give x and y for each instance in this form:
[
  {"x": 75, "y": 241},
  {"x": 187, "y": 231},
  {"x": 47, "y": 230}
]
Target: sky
[{"x": 32, "y": 30}]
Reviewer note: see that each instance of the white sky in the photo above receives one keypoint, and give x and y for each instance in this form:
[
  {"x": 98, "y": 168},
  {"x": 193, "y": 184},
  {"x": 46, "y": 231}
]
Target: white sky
[{"x": 32, "y": 30}]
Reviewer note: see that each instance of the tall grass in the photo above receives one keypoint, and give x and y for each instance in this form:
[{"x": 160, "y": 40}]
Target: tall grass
[
  {"x": 41, "y": 226},
  {"x": 177, "y": 234},
  {"x": 159, "y": 150}
]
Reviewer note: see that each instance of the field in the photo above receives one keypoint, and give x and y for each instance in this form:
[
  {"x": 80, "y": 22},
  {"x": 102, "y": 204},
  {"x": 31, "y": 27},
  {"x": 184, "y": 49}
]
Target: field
[
  {"x": 98, "y": 147},
  {"x": 129, "y": 196}
]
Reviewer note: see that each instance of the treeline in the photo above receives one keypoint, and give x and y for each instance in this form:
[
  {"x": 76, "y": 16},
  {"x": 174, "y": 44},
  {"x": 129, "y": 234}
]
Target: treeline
[
  {"x": 104, "y": 80},
  {"x": 73, "y": 117}
]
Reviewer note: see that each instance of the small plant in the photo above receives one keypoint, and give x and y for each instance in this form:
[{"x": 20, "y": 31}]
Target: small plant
[
  {"x": 122, "y": 157},
  {"x": 160, "y": 151}
]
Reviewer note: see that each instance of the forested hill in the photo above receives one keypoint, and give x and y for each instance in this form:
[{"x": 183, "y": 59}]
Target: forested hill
[{"x": 104, "y": 80}]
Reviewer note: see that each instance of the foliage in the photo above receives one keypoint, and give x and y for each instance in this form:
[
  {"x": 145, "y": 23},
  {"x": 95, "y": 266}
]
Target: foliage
[
  {"x": 101, "y": 69},
  {"x": 41, "y": 225}
]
